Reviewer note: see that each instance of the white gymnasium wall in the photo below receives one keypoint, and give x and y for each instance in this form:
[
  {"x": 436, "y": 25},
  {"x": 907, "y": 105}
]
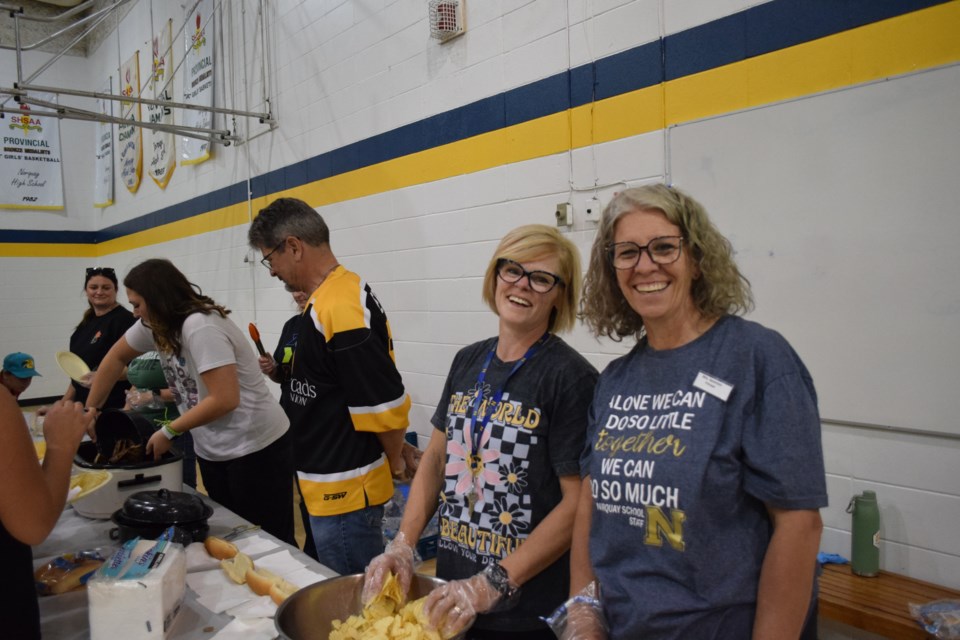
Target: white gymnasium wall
[
  {"x": 41, "y": 297},
  {"x": 344, "y": 70}
]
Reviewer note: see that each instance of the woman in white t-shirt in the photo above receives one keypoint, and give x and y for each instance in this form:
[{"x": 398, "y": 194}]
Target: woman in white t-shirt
[{"x": 238, "y": 427}]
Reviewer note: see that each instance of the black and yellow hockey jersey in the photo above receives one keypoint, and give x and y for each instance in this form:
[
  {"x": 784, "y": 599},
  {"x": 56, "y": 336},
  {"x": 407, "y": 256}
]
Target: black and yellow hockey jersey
[{"x": 344, "y": 389}]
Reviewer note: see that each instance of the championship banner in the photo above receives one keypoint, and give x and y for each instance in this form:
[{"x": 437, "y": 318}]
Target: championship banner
[
  {"x": 162, "y": 158},
  {"x": 131, "y": 153},
  {"x": 103, "y": 144},
  {"x": 198, "y": 82},
  {"x": 30, "y": 169}
]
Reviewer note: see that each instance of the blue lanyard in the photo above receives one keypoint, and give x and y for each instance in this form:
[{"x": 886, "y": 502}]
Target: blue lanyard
[{"x": 479, "y": 424}]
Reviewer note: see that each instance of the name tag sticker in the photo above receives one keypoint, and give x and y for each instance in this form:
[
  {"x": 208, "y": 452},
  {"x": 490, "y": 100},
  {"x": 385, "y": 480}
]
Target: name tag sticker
[{"x": 714, "y": 386}]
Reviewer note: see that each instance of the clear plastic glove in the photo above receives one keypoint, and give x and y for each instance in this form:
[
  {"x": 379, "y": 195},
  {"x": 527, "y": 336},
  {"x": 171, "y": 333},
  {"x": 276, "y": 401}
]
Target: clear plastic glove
[
  {"x": 411, "y": 456},
  {"x": 454, "y": 606},
  {"x": 143, "y": 399},
  {"x": 580, "y": 617},
  {"x": 267, "y": 364},
  {"x": 86, "y": 380},
  {"x": 396, "y": 558}
]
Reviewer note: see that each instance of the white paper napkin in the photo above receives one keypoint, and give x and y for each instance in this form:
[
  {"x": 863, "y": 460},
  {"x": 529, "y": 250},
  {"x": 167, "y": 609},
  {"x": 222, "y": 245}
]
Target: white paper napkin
[
  {"x": 280, "y": 563},
  {"x": 252, "y": 545},
  {"x": 247, "y": 629},
  {"x": 198, "y": 559},
  {"x": 305, "y": 577},
  {"x": 217, "y": 592},
  {"x": 259, "y": 607}
]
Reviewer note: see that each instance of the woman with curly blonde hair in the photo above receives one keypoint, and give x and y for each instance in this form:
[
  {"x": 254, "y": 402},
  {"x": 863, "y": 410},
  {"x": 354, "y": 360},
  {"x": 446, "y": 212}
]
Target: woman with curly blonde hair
[
  {"x": 722, "y": 289},
  {"x": 703, "y": 470}
]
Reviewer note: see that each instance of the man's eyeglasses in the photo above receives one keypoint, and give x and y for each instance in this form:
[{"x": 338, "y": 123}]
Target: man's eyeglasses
[
  {"x": 101, "y": 271},
  {"x": 662, "y": 250},
  {"x": 265, "y": 261},
  {"x": 540, "y": 281}
]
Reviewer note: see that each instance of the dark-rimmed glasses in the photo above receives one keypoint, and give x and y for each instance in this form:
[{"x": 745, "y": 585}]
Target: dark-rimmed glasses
[
  {"x": 540, "y": 281},
  {"x": 265, "y": 261},
  {"x": 662, "y": 250}
]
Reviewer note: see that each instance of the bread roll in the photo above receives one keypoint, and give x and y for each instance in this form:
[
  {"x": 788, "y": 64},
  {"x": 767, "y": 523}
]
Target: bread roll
[
  {"x": 220, "y": 548},
  {"x": 59, "y": 577},
  {"x": 260, "y": 581},
  {"x": 281, "y": 590},
  {"x": 237, "y": 567}
]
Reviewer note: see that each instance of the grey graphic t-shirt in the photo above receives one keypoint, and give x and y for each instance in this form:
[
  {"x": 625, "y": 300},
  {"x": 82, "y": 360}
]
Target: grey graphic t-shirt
[{"x": 686, "y": 449}]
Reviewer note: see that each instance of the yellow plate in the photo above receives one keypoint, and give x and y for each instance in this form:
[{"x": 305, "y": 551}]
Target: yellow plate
[
  {"x": 86, "y": 482},
  {"x": 72, "y": 365}
]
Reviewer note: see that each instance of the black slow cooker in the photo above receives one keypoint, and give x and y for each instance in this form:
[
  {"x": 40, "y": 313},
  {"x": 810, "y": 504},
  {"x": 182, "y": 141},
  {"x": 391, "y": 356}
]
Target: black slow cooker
[{"x": 147, "y": 514}]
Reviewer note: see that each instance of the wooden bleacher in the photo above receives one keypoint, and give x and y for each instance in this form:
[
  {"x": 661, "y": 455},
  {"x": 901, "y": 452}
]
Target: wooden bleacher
[{"x": 878, "y": 604}]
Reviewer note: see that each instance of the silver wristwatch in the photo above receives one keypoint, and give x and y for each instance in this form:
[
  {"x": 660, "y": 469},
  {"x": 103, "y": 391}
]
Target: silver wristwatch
[{"x": 499, "y": 580}]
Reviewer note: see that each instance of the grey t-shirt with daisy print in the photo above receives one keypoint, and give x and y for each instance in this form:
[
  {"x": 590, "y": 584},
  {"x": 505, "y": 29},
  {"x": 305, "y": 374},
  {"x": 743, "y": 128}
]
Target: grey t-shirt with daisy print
[{"x": 534, "y": 436}]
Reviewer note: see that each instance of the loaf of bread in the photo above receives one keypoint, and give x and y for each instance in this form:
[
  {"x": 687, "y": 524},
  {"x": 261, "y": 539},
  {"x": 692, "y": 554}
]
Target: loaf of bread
[
  {"x": 237, "y": 567},
  {"x": 64, "y": 573},
  {"x": 220, "y": 548},
  {"x": 281, "y": 590}
]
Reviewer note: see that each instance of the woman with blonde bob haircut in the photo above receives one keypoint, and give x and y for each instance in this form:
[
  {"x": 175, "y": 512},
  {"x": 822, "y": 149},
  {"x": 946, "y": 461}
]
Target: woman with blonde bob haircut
[
  {"x": 502, "y": 464},
  {"x": 534, "y": 241},
  {"x": 703, "y": 439}
]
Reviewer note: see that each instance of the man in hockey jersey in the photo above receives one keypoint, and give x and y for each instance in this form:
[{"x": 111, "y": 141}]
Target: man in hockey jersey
[{"x": 347, "y": 405}]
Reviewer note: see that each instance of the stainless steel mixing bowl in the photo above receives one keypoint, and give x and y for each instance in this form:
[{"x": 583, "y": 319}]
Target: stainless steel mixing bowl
[{"x": 309, "y": 613}]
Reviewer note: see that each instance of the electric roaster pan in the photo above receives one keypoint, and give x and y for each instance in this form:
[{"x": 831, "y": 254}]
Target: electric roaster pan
[{"x": 133, "y": 474}]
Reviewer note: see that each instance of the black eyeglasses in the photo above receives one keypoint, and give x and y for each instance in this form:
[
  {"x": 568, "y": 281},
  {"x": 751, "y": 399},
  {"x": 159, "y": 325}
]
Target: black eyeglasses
[
  {"x": 101, "y": 271},
  {"x": 540, "y": 281},
  {"x": 265, "y": 261},
  {"x": 662, "y": 250}
]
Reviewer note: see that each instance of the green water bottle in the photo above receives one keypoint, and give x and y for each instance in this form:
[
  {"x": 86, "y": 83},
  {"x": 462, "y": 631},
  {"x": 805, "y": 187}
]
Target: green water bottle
[{"x": 865, "y": 538}]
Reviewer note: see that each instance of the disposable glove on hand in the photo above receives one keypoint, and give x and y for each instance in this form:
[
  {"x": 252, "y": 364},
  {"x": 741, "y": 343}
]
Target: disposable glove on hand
[
  {"x": 454, "y": 606},
  {"x": 143, "y": 399},
  {"x": 580, "y": 617},
  {"x": 396, "y": 558}
]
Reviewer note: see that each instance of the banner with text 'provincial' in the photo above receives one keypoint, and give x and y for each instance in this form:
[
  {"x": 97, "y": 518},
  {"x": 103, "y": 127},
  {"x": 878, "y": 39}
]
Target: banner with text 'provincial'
[
  {"x": 162, "y": 157},
  {"x": 198, "y": 81},
  {"x": 30, "y": 167},
  {"x": 103, "y": 145},
  {"x": 130, "y": 136}
]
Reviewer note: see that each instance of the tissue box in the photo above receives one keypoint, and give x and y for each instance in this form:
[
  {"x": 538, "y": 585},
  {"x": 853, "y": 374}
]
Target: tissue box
[{"x": 137, "y": 594}]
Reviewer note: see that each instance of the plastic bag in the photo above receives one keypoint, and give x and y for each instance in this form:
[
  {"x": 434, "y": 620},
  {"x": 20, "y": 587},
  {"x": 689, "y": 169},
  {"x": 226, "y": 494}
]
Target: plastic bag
[
  {"x": 69, "y": 571},
  {"x": 940, "y": 618}
]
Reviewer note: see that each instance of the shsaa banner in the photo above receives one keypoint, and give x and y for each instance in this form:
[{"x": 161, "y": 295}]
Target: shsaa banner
[
  {"x": 30, "y": 168},
  {"x": 131, "y": 153},
  {"x": 162, "y": 157},
  {"x": 198, "y": 81},
  {"x": 103, "y": 145}
]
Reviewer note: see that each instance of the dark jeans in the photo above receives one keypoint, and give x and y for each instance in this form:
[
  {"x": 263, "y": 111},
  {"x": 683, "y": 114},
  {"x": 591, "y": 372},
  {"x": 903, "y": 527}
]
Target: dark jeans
[
  {"x": 256, "y": 487},
  {"x": 309, "y": 546},
  {"x": 348, "y": 542}
]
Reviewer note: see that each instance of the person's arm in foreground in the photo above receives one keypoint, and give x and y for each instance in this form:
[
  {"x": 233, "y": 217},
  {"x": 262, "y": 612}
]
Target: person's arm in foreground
[
  {"x": 111, "y": 368},
  {"x": 223, "y": 396},
  {"x": 421, "y": 504},
  {"x": 581, "y": 618},
  {"x": 32, "y": 496},
  {"x": 786, "y": 577}
]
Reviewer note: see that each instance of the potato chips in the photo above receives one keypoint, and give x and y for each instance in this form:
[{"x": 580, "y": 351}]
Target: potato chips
[{"x": 380, "y": 619}]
